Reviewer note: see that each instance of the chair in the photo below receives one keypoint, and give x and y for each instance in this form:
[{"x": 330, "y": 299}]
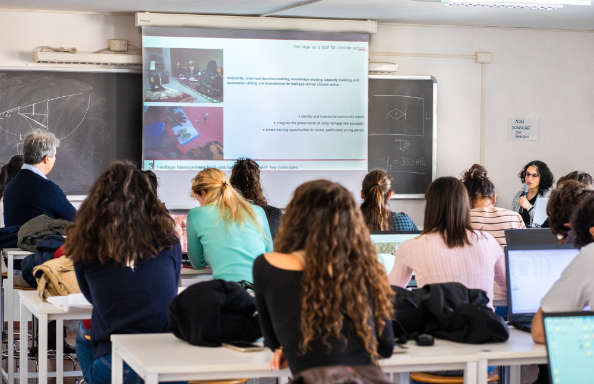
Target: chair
[{"x": 428, "y": 378}]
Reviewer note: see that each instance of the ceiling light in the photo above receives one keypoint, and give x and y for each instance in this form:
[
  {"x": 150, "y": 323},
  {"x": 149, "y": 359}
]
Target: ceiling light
[{"x": 526, "y": 4}]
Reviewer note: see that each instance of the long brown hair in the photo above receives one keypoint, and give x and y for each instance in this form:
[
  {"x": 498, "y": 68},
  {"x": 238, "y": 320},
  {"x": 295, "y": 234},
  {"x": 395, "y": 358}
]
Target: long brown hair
[
  {"x": 477, "y": 183},
  {"x": 376, "y": 191},
  {"x": 9, "y": 170},
  {"x": 342, "y": 275},
  {"x": 447, "y": 211},
  {"x": 122, "y": 220},
  {"x": 245, "y": 177},
  {"x": 218, "y": 189}
]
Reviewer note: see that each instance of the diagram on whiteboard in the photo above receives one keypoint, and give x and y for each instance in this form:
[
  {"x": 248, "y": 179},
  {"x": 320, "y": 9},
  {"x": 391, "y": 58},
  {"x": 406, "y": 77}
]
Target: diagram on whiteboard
[{"x": 402, "y": 115}]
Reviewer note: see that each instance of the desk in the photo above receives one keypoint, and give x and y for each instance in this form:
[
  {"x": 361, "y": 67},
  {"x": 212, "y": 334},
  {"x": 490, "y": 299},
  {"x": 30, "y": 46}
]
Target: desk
[
  {"x": 31, "y": 303},
  {"x": 11, "y": 254}
]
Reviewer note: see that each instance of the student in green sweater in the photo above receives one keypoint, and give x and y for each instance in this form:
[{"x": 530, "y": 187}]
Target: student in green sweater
[{"x": 225, "y": 232}]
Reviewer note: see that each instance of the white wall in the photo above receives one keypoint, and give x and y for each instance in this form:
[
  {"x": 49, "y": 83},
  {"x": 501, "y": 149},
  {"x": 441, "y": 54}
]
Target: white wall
[
  {"x": 23, "y": 31},
  {"x": 534, "y": 72},
  {"x": 547, "y": 74}
]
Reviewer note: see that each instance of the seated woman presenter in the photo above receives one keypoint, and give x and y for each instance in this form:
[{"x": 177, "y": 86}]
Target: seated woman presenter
[
  {"x": 484, "y": 215},
  {"x": 538, "y": 180},
  {"x": 245, "y": 177},
  {"x": 376, "y": 192},
  {"x": 448, "y": 248},
  {"x": 225, "y": 232},
  {"x": 323, "y": 297},
  {"x": 127, "y": 259}
]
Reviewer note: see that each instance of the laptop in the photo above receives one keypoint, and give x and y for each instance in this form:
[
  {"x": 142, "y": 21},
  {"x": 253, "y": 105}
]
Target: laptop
[
  {"x": 570, "y": 347},
  {"x": 387, "y": 242},
  {"x": 530, "y": 236},
  {"x": 531, "y": 272}
]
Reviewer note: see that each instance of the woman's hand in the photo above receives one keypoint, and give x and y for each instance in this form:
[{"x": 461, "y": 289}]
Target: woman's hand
[
  {"x": 278, "y": 360},
  {"x": 524, "y": 203}
]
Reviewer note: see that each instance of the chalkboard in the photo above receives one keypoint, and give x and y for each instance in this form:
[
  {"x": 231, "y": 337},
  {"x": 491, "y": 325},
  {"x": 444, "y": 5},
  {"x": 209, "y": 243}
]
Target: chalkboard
[
  {"x": 402, "y": 131},
  {"x": 96, "y": 116}
]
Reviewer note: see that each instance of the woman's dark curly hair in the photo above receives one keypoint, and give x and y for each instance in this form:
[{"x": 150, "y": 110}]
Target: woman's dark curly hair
[
  {"x": 562, "y": 204},
  {"x": 546, "y": 176},
  {"x": 121, "y": 221},
  {"x": 581, "y": 222},
  {"x": 343, "y": 278},
  {"x": 477, "y": 183},
  {"x": 376, "y": 190},
  {"x": 582, "y": 177},
  {"x": 9, "y": 170},
  {"x": 245, "y": 177}
]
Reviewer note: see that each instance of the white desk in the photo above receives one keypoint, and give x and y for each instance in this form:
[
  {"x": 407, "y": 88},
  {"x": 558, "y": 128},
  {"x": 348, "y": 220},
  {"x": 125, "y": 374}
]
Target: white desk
[
  {"x": 163, "y": 357},
  {"x": 31, "y": 303},
  {"x": 11, "y": 254}
]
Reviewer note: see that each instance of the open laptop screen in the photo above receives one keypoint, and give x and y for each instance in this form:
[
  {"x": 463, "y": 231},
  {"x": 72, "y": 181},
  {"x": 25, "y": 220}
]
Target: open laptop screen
[
  {"x": 531, "y": 273},
  {"x": 570, "y": 346},
  {"x": 387, "y": 243}
]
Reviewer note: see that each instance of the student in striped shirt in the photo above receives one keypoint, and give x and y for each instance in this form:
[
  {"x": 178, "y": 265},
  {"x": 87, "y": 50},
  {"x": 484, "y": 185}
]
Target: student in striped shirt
[{"x": 484, "y": 215}]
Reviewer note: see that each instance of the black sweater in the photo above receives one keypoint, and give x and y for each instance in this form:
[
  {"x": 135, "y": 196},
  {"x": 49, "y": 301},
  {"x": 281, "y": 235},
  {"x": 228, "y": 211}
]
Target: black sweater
[{"x": 279, "y": 305}]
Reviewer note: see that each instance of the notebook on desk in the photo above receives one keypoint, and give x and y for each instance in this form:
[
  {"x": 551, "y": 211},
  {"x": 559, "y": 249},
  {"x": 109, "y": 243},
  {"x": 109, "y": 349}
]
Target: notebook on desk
[
  {"x": 570, "y": 347},
  {"x": 531, "y": 272},
  {"x": 387, "y": 242}
]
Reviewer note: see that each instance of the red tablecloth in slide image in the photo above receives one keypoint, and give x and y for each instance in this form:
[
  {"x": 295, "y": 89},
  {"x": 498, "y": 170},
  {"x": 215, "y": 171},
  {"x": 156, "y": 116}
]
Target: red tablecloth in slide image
[{"x": 208, "y": 121}]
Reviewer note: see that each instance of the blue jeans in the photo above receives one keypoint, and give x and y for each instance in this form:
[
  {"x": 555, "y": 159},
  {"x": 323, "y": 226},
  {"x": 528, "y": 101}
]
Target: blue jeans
[
  {"x": 101, "y": 372},
  {"x": 84, "y": 351}
]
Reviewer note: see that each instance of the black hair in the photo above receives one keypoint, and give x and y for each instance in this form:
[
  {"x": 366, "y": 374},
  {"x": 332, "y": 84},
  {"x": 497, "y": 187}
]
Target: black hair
[
  {"x": 9, "y": 170},
  {"x": 546, "y": 176},
  {"x": 581, "y": 222},
  {"x": 477, "y": 183}
]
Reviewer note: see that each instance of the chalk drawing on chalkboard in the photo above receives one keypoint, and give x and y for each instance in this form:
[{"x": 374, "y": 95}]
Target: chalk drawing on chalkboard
[
  {"x": 38, "y": 115},
  {"x": 403, "y": 115}
]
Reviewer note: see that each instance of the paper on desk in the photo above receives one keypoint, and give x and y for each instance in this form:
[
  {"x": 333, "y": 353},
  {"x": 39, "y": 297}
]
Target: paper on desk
[{"x": 75, "y": 300}]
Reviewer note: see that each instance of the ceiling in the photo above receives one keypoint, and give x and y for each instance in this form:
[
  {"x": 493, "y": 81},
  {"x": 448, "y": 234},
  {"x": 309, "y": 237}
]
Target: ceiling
[{"x": 404, "y": 11}]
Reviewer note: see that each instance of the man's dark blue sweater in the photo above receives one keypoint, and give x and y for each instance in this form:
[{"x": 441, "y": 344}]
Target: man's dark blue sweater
[
  {"x": 29, "y": 195},
  {"x": 127, "y": 300}
]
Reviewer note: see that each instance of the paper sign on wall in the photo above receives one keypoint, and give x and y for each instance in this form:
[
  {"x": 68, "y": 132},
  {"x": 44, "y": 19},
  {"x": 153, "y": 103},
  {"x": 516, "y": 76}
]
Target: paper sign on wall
[{"x": 523, "y": 129}]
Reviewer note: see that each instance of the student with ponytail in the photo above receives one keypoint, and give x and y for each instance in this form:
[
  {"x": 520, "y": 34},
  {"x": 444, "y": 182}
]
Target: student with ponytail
[
  {"x": 376, "y": 192},
  {"x": 226, "y": 232}
]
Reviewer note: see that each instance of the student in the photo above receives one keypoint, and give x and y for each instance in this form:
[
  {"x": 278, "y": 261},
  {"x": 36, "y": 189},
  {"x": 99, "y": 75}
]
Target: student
[
  {"x": 538, "y": 179},
  {"x": 7, "y": 172},
  {"x": 582, "y": 177},
  {"x": 226, "y": 232},
  {"x": 30, "y": 194},
  {"x": 245, "y": 177},
  {"x": 484, "y": 215},
  {"x": 127, "y": 261},
  {"x": 323, "y": 297},
  {"x": 376, "y": 192},
  {"x": 561, "y": 206},
  {"x": 448, "y": 248}
]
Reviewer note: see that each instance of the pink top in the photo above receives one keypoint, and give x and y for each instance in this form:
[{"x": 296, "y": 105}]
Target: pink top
[{"x": 476, "y": 266}]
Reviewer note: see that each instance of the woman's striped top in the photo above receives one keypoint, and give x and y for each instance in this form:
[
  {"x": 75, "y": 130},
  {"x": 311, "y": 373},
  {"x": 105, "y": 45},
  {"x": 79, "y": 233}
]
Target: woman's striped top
[{"x": 495, "y": 221}]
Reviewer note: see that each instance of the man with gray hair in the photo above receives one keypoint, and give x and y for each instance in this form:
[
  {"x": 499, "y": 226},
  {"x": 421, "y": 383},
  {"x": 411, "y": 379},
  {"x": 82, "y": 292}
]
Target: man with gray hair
[{"x": 30, "y": 193}]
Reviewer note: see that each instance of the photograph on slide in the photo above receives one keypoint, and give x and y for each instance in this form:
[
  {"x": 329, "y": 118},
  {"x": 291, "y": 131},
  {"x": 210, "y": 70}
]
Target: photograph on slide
[{"x": 183, "y": 75}]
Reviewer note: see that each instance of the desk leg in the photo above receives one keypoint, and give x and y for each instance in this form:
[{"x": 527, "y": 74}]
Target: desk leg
[
  {"x": 151, "y": 378},
  {"x": 470, "y": 372},
  {"x": 117, "y": 367},
  {"x": 24, "y": 330},
  {"x": 59, "y": 351},
  {"x": 515, "y": 373},
  {"x": 42, "y": 351},
  {"x": 483, "y": 372},
  {"x": 10, "y": 317}
]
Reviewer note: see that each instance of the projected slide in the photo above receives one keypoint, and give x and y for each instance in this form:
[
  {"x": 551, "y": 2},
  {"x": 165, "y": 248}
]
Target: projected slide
[{"x": 290, "y": 101}]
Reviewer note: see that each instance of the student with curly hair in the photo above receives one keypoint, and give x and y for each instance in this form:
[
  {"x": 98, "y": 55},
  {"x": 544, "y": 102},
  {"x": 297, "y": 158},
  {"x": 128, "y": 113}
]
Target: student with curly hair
[
  {"x": 449, "y": 249},
  {"x": 484, "y": 215},
  {"x": 583, "y": 177},
  {"x": 127, "y": 259},
  {"x": 323, "y": 297},
  {"x": 376, "y": 192},
  {"x": 226, "y": 231},
  {"x": 562, "y": 204},
  {"x": 245, "y": 177},
  {"x": 538, "y": 180}
]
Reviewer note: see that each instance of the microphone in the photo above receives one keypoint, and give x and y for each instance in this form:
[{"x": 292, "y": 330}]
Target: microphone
[{"x": 524, "y": 190}]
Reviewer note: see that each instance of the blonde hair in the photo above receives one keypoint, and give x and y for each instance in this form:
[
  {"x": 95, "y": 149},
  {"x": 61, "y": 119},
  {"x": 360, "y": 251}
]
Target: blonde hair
[{"x": 232, "y": 206}]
